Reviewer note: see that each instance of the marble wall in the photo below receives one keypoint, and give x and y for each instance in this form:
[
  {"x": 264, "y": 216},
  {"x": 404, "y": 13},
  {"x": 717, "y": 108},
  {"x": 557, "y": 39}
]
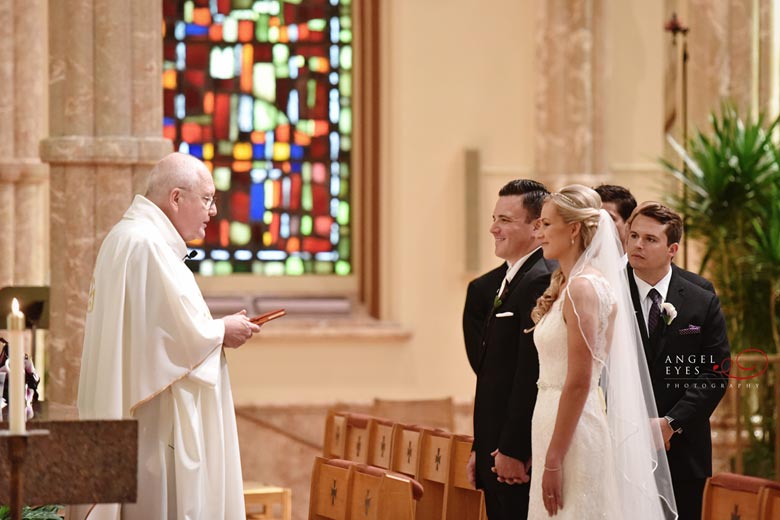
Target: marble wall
[
  {"x": 105, "y": 134},
  {"x": 24, "y": 187}
]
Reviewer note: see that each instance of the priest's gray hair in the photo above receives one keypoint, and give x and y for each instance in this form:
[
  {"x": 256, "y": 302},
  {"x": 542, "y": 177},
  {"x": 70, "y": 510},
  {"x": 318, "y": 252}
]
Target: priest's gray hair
[{"x": 176, "y": 170}]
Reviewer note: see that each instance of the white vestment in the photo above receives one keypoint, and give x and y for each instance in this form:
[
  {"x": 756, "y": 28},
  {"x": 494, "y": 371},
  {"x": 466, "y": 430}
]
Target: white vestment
[{"x": 152, "y": 352}]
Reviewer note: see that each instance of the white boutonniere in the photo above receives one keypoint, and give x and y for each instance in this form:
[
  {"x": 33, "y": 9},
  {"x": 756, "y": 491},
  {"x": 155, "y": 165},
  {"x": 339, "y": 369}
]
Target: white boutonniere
[{"x": 668, "y": 313}]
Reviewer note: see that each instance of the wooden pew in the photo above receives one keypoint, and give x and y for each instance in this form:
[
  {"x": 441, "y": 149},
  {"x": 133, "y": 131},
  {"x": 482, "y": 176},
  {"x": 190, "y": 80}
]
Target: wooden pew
[
  {"x": 329, "y": 495},
  {"x": 463, "y": 501},
  {"x": 378, "y": 494},
  {"x": 380, "y": 442},
  {"x": 728, "y": 495},
  {"x": 433, "y": 413},
  {"x": 335, "y": 442},
  {"x": 357, "y": 442},
  {"x": 346, "y": 490},
  {"x": 769, "y": 502},
  {"x": 405, "y": 455},
  {"x": 433, "y": 473}
]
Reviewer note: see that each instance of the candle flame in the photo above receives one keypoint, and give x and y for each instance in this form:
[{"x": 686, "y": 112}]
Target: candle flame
[{"x": 15, "y": 306}]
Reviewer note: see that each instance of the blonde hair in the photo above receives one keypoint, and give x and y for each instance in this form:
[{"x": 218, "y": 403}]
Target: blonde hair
[{"x": 575, "y": 203}]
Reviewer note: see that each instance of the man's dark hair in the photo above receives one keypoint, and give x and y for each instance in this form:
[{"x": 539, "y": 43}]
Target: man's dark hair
[
  {"x": 618, "y": 195},
  {"x": 672, "y": 221},
  {"x": 534, "y": 194}
]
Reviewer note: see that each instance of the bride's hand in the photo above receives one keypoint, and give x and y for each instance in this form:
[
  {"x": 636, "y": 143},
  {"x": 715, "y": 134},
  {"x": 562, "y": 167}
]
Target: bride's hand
[{"x": 552, "y": 489}]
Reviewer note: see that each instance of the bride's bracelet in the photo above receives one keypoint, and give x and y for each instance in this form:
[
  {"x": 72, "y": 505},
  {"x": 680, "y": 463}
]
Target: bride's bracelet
[{"x": 552, "y": 469}]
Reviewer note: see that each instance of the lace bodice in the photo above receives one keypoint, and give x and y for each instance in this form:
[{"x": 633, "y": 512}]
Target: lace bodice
[{"x": 551, "y": 338}]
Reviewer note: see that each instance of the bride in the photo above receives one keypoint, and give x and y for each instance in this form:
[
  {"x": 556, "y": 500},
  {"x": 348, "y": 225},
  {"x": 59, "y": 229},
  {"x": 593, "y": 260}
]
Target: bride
[{"x": 595, "y": 455}]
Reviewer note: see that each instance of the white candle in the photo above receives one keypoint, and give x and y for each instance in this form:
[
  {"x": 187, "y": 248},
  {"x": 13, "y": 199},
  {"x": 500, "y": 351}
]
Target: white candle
[{"x": 18, "y": 403}]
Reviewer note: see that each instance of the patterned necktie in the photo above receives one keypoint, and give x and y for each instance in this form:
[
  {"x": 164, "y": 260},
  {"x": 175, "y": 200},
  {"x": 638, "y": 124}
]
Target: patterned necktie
[{"x": 655, "y": 311}]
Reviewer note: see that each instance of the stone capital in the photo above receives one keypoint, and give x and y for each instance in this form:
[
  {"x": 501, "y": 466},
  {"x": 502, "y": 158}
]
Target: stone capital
[{"x": 109, "y": 150}]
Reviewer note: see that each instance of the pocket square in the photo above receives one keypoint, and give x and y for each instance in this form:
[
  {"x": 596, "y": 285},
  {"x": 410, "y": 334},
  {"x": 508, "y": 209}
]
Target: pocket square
[
  {"x": 690, "y": 329},
  {"x": 504, "y": 314}
]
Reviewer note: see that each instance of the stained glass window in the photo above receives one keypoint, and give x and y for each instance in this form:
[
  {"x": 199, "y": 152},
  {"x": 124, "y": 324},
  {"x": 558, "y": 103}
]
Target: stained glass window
[{"x": 261, "y": 91}]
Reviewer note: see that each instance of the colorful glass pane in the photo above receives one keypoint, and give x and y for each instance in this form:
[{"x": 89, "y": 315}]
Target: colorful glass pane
[{"x": 261, "y": 91}]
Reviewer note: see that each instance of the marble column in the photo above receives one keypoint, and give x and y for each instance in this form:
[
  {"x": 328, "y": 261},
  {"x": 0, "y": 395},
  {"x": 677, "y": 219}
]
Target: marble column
[
  {"x": 720, "y": 44},
  {"x": 569, "y": 94},
  {"x": 106, "y": 133},
  {"x": 23, "y": 178},
  {"x": 7, "y": 179}
]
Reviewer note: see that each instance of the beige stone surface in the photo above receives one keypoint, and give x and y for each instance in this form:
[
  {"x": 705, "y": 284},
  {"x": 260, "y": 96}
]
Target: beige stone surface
[
  {"x": 569, "y": 94},
  {"x": 6, "y": 79},
  {"x": 7, "y": 238},
  {"x": 77, "y": 39},
  {"x": 113, "y": 69},
  {"x": 30, "y": 259},
  {"x": 147, "y": 110},
  {"x": 114, "y": 193},
  {"x": 71, "y": 275},
  {"x": 29, "y": 78}
]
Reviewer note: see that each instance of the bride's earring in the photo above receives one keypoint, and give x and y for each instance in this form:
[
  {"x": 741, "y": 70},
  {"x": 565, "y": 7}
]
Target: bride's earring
[{"x": 571, "y": 242}]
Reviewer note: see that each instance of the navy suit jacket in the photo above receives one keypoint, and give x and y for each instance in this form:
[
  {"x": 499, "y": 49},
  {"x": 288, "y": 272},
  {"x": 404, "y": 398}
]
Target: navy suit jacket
[{"x": 684, "y": 359}]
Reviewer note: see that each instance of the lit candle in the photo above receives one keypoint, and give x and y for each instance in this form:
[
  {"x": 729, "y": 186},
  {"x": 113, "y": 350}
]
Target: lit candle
[{"x": 18, "y": 403}]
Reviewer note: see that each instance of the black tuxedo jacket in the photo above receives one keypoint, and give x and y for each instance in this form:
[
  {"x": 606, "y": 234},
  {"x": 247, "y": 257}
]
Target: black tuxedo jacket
[
  {"x": 479, "y": 303},
  {"x": 508, "y": 367},
  {"x": 693, "y": 278},
  {"x": 683, "y": 358}
]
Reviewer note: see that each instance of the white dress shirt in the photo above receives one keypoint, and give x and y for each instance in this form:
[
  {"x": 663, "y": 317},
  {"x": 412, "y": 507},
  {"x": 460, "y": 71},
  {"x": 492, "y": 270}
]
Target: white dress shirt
[
  {"x": 512, "y": 270},
  {"x": 643, "y": 288}
]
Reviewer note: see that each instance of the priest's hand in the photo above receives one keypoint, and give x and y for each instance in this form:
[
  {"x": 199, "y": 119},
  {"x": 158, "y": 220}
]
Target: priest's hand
[{"x": 238, "y": 329}]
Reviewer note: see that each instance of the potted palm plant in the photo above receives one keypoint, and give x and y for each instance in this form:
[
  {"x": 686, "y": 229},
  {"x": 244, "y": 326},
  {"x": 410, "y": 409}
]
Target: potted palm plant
[{"x": 732, "y": 180}]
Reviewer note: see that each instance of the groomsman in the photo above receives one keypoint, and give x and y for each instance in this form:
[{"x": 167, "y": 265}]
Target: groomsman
[
  {"x": 619, "y": 203},
  {"x": 505, "y": 358},
  {"x": 684, "y": 337}
]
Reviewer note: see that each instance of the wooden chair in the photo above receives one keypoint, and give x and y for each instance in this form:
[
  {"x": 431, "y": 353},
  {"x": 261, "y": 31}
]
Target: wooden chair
[
  {"x": 261, "y": 500},
  {"x": 380, "y": 442},
  {"x": 463, "y": 501},
  {"x": 727, "y": 495},
  {"x": 433, "y": 413},
  {"x": 433, "y": 473},
  {"x": 329, "y": 496}
]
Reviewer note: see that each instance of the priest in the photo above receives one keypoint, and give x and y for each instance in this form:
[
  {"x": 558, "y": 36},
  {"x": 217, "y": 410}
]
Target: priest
[{"x": 152, "y": 352}]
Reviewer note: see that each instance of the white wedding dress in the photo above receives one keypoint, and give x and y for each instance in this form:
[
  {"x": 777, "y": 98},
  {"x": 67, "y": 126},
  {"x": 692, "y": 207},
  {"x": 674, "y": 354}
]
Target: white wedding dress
[{"x": 590, "y": 488}]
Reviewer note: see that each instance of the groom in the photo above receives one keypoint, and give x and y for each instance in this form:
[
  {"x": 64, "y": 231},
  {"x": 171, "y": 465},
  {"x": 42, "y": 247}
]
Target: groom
[
  {"x": 505, "y": 360},
  {"x": 681, "y": 351}
]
